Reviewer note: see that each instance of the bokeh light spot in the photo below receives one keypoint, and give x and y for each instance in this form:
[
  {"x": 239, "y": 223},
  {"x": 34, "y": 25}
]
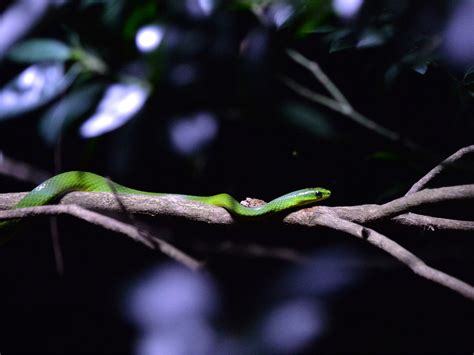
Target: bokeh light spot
[
  {"x": 346, "y": 8},
  {"x": 459, "y": 35},
  {"x": 149, "y": 37},
  {"x": 120, "y": 103},
  {"x": 189, "y": 135},
  {"x": 292, "y": 325}
]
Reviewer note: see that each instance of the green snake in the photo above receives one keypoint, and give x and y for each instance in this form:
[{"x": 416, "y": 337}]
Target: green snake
[{"x": 58, "y": 185}]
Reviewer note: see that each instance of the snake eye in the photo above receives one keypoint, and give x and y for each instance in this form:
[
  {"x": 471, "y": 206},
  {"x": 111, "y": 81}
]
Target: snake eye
[{"x": 318, "y": 194}]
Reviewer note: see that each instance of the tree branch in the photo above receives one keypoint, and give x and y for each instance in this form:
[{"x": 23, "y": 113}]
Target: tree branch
[
  {"x": 105, "y": 222},
  {"x": 344, "y": 219},
  {"x": 175, "y": 206},
  {"x": 339, "y": 103},
  {"x": 433, "y": 223},
  {"x": 252, "y": 250},
  {"x": 21, "y": 171},
  {"x": 439, "y": 168},
  {"x": 420, "y": 199},
  {"x": 318, "y": 73},
  {"x": 403, "y": 255}
]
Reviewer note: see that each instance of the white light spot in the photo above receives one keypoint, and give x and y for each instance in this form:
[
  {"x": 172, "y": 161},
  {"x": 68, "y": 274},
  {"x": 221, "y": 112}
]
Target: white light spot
[
  {"x": 292, "y": 325},
  {"x": 27, "y": 79},
  {"x": 130, "y": 103},
  {"x": 206, "y": 6},
  {"x": 8, "y": 98},
  {"x": 149, "y": 37},
  {"x": 194, "y": 336},
  {"x": 280, "y": 13},
  {"x": 200, "y": 8},
  {"x": 168, "y": 295},
  {"x": 189, "y": 135},
  {"x": 120, "y": 103},
  {"x": 34, "y": 86},
  {"x": 347, "y": 8},
  {"x": 41, "y": 186},
  {"x": 328, "y": 271},
  {"x": 459, "y": 34},
  {"x": 172, "y": 307}
]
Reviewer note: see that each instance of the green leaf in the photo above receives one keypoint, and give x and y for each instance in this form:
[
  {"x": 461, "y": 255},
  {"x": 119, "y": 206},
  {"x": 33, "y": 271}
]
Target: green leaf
[
  {"x": 340, "y": 40},
  {"x": 373, "y": 37},
  {"x": 112, "y": 12},
  {"x": 469, "y": 76},
  {"x": 384, "y": 155},
  {"x": 312, "y": 17},
  {"x": 71, "y": 107},
  {"x": 313, "y": 121},
  {"x": 323, "y": 29},
  {"x": 143, "y": 14},
  {"x": 87, "y": 3},
  {"x": 392, "y": 73},
  {"x": 40, "y": 50}
]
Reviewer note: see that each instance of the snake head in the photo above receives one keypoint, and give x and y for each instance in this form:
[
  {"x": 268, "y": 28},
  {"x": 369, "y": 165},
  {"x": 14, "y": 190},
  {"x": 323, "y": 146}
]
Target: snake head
[
  {"x": 303, "y": 197},
  {"x": 320, "y": 193},
  {"x": 311, "y": 195}
]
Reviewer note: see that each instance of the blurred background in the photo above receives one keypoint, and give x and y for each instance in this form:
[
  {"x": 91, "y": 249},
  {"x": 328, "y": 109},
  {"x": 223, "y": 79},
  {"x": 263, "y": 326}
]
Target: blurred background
[{"x": 192, "y": 96}]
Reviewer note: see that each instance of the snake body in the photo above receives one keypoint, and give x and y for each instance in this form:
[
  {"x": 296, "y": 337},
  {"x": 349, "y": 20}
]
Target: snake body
[{"x": 58, "y": 185}]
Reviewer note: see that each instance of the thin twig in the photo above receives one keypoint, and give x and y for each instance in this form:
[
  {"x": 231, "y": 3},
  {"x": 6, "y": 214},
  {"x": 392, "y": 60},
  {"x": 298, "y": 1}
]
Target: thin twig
[
  {"x": 146, "y": 235},
  {"x": 105, "y": 222},
  {"x": 126, "y": 212},
  {"x": 54, "y": 228},
  {"x": 349, "y": 219},
  {"x": 439, "y": 168},
  {"x": 430, "y": 223},
  {"x": 422, "y": 198},
  {"x": 313, "y": 96},
  {"x": 343, "y": 109},
  {"x": 365, "y": 213},
  {"x": 252, "y": 250},
  {"x": 21, "y": 171},
  {"x": 58, "y": 254},
  {"x": 340, "y": 103},
  {"x": 314, "y": 68},
  {"x": 397, "y": 251},
  {"x": 321, "y": 219}
]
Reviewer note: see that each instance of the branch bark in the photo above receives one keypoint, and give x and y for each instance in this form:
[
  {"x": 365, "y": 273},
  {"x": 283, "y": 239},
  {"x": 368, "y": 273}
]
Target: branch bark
[
  {"x": 352, "y": 220},
  {"x": 349, "y": 219},
  {"x": 439, "y": 168},
  {"x": 338, "y": 101},
  {"x": 105, "y": 222},
  {"x": 21, "y": 171},
  {"x": 175, "y": 206},
  {"x": 397, "y": 251}
]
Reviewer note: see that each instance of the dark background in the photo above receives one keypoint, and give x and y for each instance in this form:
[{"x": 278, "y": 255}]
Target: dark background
[{"x": 269, "y": 141}]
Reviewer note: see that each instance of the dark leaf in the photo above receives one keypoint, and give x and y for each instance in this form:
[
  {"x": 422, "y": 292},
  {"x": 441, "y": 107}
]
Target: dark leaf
[
  {"x": 71, "y": 107},
  {"x": 313, "y": 121},
  {"x": 40, "y": 50},
  {"x": 469, "y": 76},
  {"x": 384, "y": 155}
]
